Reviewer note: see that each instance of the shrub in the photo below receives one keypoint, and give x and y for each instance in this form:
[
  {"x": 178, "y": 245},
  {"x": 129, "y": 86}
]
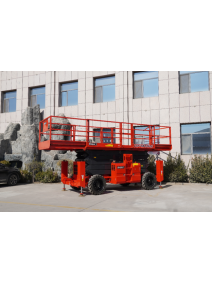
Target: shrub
[
  {"x": 175, "y": 170},
  {"x": 26, "y": 176},
  {"x": 70, "y": 165},
  {"x": 201, "y": 169},
  {"x": 6, "y": 163},
  {"x": 47, "y": 176},
  {"x": 34, "y": 166}
]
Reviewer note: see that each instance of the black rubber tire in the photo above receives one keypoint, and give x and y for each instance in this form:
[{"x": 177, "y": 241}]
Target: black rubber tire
[
  {"x": 12, "y": 180},
  {"x": 96, "y": 184},
  {"x": 149, "y": 181}
]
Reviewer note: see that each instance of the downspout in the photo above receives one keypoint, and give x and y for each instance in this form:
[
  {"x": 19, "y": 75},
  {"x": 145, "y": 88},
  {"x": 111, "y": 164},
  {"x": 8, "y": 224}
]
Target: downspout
[{"x": 54, "y": 89}]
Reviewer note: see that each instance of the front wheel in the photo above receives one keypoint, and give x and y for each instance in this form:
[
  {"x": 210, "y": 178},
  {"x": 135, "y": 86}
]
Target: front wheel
[
  {"x": 13, "y": 180},
  {"x": 96, "y": 184},
  {"x": 149, "y": 181}
]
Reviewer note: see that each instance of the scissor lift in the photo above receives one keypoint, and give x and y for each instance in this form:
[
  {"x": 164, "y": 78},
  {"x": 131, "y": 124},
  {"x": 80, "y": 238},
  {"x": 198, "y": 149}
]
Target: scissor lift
[{"x": 107, "y": 151}]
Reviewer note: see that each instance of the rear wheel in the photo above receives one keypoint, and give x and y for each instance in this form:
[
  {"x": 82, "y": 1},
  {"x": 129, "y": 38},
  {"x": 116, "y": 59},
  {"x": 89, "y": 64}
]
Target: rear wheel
[
  {"x": 96, "y": 184},
  {"x": 12, "y": 180},
  {"x": 149, "y": 181}
]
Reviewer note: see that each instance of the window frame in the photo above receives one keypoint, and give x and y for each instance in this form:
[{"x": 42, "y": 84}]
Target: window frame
[
  {"x": 2, "y": 100},
  {"x": 60, "y": 91},
  {"x": 30, "y": 95},
  {"x": 94, "y": 88},
  {"x": 142, "y": 89},
  {"x": 98, "y": 129},
  {"x": 191, "y": 137},
  {"x": 184, "y": 74}
]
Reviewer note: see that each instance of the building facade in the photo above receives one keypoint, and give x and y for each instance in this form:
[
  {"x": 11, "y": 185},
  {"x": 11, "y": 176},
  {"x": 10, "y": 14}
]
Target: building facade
[{"x": 178, "y": 99}]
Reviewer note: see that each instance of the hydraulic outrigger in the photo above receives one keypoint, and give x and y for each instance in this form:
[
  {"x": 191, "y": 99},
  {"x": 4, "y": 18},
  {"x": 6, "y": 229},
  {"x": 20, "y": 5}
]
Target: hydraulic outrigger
[{"x": 107, "y": 151}]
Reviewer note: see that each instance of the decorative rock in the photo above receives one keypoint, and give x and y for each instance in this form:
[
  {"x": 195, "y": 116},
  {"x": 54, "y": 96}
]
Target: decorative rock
[
  {"x": 11, "y": 131},
  {"x": 27, "y": 116},
  {"x": 5, "y": 147},
  {"x": 13, "y": 157},
  {"x": 36, "y": 115}
]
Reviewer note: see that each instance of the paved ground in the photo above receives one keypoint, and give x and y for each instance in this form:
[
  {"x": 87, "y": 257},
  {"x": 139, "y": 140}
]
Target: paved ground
[{"x": 50, "y": 198}]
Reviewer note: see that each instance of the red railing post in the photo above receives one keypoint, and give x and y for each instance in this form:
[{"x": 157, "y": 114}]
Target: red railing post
[
  {"x": 74, "y": 132},
  {"x": 120, "y": 128},
  {"x": 39, "y": 131},
  {"x": 150, "y": 135},
  {"x": 87, "y": 130},
  {"x": 111, "y": 135},
  {"x": 50, "y": 132},
  {"x": 132, "y": 135},
  {"x": 170, "y": 137}
]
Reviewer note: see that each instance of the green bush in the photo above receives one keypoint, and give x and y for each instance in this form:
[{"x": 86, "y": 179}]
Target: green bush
[
  {"x": 175, "y": 170},
  {"x": 6, "y": 163},
  {"x": 34, "y": 166},
  {"x": 47, "y": 176},
  {"x": 70, "y": 165},
  {"x": 26, "y": 176},
  {"x": 201, "y": 169}
]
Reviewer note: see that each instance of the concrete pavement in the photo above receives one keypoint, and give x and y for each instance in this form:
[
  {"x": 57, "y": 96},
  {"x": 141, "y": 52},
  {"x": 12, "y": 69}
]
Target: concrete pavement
[{"x": 39, "y": 197}]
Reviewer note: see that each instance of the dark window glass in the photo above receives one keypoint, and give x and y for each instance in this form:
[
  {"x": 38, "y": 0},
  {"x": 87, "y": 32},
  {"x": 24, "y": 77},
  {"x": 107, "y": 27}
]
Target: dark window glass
[
  {"x": 38, "y": 97},
  {"x": 9, "y": 101},
  {"x": 106, "y": 133},
  {"x": 69, "y": 94},
  {"x": 196, "y": 138},
  {"x": 98, "y": 94},
  {"x": 104, "y": 89},
  {"x": 184, "y": 83},
  {"x": 186, "y": 144},
  {"x": 145, "y": 84},
  {"x": 194, "y": 81},
  {"x": 137, "y": 89}
]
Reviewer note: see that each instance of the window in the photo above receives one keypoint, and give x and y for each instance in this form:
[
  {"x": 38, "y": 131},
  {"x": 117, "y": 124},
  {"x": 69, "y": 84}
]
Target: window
[
  {"x": 104, "y": 89},
  {"x": 106, "y": 133},
  {"x": 196, "y": 138},
  {"x": 69, "y": 94},
  {"x": 9, "y": 102},
  {"x": 37, "y": 97},
  {"x": 141, "y": 134},
  {"x": 194, "y": 81},
  {"x": 145, "y": 84}
]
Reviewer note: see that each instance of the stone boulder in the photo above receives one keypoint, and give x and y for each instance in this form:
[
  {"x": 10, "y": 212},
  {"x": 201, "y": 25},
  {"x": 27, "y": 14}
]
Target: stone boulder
[
  {"x": 36, "y": 115},
  {"x": 5, "y": 147},
  {"x": 11, "y": 131},
  {"x": 27, "y": 116},
  {"x": 31, "y": 116},
  {"x": 50, "y": 159},
  {"x": 66, "y": 126},
  {"x": 62, "y": 127}
]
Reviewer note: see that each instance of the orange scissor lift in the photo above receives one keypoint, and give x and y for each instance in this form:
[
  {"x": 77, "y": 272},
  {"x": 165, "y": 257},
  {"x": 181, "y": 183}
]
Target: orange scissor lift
[{"x": 107, "y": 151}]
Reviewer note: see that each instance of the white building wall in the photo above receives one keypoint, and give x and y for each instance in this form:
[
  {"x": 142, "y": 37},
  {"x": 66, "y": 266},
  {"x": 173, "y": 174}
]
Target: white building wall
[{"x": 170, "y": 108}]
